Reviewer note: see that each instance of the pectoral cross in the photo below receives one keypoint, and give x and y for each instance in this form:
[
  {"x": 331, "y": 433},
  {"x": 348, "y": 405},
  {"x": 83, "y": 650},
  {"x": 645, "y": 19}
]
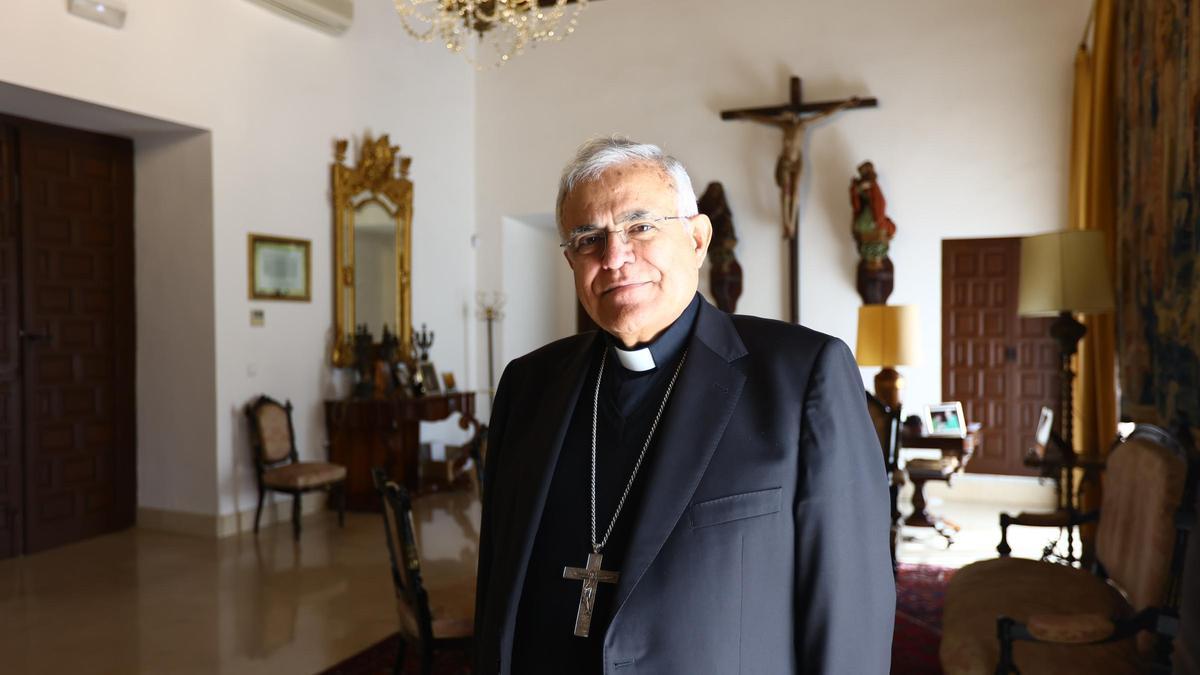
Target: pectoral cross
[
  {"x": 793, "y": 119},
  {"x": 591, "y": 576}
]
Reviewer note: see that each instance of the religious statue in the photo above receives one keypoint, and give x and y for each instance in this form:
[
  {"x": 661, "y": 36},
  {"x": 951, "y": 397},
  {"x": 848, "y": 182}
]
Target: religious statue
[
  {"x": 791, "y": 160},
  {"x": 385, "y": 360},
  {"x": 793, "y": 118},
  {"x": 872, "y": 231},
  {"x": 725, "y": 274},
  {"x": 872, "y": 228}
]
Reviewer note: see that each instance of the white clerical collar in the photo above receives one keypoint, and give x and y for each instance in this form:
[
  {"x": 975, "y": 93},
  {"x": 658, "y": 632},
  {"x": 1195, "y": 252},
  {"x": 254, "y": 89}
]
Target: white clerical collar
[{"x": 637, "y": 360}]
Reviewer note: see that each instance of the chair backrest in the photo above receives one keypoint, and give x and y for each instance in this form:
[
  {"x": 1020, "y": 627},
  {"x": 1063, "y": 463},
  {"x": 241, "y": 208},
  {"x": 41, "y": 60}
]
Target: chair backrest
[
  {"x": 1186, "y": 658},
  {"x": 1143, "y": 488},
  {"x": 412, "y": 601},
  {"x": 271, "y": 431},
  {"x": 887, "y": 427}
]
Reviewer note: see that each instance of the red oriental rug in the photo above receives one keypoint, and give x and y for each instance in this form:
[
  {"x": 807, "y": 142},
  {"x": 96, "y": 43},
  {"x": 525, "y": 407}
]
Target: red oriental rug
[{"x": 920, "y": 591}]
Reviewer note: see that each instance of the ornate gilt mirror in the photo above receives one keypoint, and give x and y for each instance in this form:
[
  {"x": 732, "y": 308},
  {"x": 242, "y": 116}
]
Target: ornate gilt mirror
[{"x": 372, "y": 234}]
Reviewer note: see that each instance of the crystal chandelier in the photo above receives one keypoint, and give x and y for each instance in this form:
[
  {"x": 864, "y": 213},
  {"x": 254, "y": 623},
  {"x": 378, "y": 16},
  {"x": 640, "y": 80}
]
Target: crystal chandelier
[{"x": 507, "y": 26}]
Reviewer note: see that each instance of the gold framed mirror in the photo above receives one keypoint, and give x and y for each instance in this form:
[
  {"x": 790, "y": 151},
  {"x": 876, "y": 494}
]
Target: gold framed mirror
[{"x": 372, "y": 235}]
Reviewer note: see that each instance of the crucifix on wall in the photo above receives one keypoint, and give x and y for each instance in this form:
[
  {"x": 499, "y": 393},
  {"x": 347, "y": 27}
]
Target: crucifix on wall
[{"x": 793, "y": 118}]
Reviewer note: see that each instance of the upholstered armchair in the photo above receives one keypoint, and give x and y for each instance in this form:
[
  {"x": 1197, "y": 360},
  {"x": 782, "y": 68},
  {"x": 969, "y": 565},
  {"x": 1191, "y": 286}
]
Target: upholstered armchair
[
  {"x": 1029, "y": 616},
  {"x": 278, "y": 466}
]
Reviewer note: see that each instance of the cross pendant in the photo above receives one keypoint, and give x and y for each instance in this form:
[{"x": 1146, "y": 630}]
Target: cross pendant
[{"x": 591, "y": 576}]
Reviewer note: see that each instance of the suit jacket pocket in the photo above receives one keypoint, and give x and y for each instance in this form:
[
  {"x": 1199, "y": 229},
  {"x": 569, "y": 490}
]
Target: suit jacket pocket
[{"x": 735, "y": 507}]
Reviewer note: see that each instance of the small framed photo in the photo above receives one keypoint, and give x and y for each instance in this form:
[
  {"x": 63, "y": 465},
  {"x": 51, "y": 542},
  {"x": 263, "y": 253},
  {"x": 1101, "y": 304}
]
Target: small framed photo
[
  {"x": 1041, "y": 437},
  {"x": 448, "y": 380},
  {"x": 945, "y": 419},
  {"x": 280, "y": 268},
  {"x": 429, "y": 376}
]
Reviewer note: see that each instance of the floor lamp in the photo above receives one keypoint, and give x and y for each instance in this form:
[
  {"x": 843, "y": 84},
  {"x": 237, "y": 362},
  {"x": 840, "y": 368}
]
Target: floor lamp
[
  {"x": 1063, "y": 274},
  {"x": 888, "y": 336}
]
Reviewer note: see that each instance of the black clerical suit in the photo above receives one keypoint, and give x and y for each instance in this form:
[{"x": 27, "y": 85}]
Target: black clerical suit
[{"x": 755, "y": 539}]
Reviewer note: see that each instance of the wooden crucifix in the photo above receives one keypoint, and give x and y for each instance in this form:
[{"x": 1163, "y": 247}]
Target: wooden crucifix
[{"x": 793, "y": 118}]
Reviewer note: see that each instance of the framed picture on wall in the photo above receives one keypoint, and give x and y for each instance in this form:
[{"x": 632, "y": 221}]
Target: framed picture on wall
[
  {"x": 280, "y": 268},
  {"x": 945, "y": 419}
]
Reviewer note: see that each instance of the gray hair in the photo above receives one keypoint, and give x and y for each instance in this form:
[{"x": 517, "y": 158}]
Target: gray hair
[{"x": 605, "y": 152}]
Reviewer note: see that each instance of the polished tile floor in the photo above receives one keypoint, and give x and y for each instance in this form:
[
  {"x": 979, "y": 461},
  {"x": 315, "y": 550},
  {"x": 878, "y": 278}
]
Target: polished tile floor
[{"x": 147, "y": 602}]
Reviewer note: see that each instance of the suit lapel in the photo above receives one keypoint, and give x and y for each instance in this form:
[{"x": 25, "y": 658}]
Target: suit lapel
[
  {"x": 703, "y": 401},
  {"x": 538, "y": 458}
]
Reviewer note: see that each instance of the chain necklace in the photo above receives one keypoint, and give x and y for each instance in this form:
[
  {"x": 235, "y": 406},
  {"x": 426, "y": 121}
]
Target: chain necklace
[
  {"x": 592, "y": 574},
  {"x": 597, "y": 545}
]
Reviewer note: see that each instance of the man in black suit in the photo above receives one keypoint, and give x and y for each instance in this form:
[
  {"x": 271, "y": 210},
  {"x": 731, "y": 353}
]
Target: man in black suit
[{"x": 685, "y": 491}]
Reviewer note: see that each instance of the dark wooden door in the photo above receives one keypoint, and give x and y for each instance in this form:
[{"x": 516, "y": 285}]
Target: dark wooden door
[
  {"x": 1002, "y": 367},
  {"x": 11, "y": 471},
  {"x": 77, "y": 338}
]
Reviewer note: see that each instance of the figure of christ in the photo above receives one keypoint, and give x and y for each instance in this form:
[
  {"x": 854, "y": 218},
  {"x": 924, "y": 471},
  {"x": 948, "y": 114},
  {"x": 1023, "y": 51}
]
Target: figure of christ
[{"x": 791, "y": 160}]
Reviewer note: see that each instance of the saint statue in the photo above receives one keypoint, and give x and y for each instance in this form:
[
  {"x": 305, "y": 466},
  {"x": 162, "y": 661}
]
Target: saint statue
[
  {"x": 725, "y": 275},
  {"x": 872, "y": 228}
]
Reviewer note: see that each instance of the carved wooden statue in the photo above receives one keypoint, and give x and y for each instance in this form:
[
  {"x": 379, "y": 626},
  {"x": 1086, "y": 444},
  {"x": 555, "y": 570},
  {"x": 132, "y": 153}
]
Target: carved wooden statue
[
  {"x": 872, "y": 230},
  {"x": 725, "y": 274}
]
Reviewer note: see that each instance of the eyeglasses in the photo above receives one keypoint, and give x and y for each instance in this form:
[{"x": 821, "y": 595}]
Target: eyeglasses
[{"x": 594, "y": 240}]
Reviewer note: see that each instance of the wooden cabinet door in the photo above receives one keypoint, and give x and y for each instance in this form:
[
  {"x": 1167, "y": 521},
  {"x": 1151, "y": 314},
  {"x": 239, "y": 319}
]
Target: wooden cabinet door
[
  {"x": 11, "y": 473},
  {"x": 1002, "y": 367},
  {"x": 77, "y": 321}
]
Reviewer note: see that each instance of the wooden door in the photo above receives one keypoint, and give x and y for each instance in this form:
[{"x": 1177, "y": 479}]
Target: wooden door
[
  {"x": 1002, "y": 367},
  {"x": 11, "y": 472},
  {"x": 76, "y": 205}
]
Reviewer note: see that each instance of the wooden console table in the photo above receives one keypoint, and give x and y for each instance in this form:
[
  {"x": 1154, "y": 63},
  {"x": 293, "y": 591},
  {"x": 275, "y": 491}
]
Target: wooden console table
[
  {"x": 956, "y": 452},
  {"x": 365, "y": 433}
]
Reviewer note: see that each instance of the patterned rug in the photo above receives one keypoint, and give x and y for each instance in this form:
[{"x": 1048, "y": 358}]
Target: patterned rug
[{"x": 920, "y": 591}]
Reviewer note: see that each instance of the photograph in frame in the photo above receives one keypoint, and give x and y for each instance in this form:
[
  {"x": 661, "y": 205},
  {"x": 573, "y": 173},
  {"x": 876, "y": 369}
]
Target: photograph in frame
[
  {"x": 280, "y": 268},
  {"x": 429, "y": 376},
  {"x": 945, "y": 419},
  {"x": 1041, "y": 437}
]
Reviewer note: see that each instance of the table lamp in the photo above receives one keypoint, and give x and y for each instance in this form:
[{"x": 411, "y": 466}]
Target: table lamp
[
  {"x": 888, "y": 336},
  {"x": 1062, "y": 274}
]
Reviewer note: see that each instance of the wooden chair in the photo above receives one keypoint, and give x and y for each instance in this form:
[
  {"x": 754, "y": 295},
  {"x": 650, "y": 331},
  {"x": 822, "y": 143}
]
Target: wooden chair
[
  {"x": 278, "y": 465},
  {"x": 1044, "y": 617},
  {"x": 887, "y": 427},
  {"x": 1059, "y": 462},
  {"x": 426, "y": 624}
]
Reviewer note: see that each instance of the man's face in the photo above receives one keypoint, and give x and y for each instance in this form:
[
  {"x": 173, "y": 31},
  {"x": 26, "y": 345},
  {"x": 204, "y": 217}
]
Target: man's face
[{"x": 635, "y": 289}]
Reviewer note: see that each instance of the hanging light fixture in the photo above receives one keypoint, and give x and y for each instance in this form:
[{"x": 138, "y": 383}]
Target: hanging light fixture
[{"x": 505, "y": 27}]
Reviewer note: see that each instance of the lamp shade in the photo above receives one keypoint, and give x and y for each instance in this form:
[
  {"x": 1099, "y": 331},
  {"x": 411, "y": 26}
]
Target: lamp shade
[
  {"x": 1065, "y": 272},
  {"x": 888, "y": 335}
]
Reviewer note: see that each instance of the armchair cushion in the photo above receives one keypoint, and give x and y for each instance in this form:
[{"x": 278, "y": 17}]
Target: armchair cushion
[
  {"x": 1020, "y": 588},
  {"x": 1070, "y": 628},
  {"x": 303, "y": 475}
]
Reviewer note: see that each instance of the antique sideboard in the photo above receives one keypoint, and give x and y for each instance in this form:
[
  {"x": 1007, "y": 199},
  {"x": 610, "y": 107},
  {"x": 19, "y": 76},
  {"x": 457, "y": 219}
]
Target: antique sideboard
[{"x": 365, "y": 433}]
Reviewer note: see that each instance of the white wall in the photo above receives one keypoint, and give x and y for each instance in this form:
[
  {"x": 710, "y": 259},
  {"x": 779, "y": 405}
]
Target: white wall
[
  {"x": 970, "y": 139},
  {"x": 540, "y": 293},
  {"x": 273, "y": 94}
]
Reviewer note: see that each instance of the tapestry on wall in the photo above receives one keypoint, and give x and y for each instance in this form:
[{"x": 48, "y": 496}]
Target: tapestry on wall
[{"x": 1158, "y": 210}]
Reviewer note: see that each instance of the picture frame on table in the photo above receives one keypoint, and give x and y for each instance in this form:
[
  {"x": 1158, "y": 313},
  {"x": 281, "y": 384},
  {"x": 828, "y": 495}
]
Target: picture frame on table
[
  {"x": 280, "y": 268},
  {"x": 1041, "y": 435},
  {"x": 429, "y": 376},
  {"x": 945, "y": 420}
]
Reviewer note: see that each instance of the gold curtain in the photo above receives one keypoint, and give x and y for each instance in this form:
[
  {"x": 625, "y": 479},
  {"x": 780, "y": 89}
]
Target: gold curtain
[{"x": 1092, "y": 206}]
